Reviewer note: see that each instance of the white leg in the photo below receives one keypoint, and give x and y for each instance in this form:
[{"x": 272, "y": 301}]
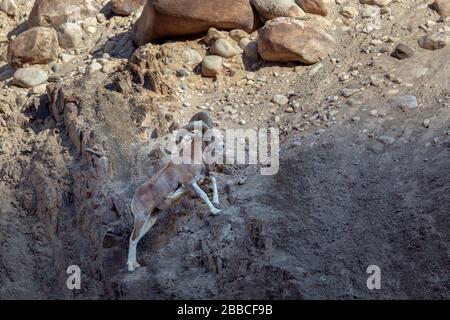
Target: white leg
[
  {"x": 215, "y": 192},
  {"x": 198, "y": 191},
  {"x": 180, "y": 193},
  {"x": 177, "y": 194},
  {"x": 173, "y": 198},
  {"x": 149, "y": 222},
  {"x": 132, "y": 262}
]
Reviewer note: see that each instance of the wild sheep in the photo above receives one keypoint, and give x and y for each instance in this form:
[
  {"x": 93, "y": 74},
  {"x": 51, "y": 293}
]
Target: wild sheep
[{"x": 169, "y": 185}]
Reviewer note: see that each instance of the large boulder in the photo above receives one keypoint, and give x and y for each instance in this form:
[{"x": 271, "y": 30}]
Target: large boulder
[
  {"x": 270, "y": 9},
  {"x": 53, "y": 13},
  {"x": 314, "y": 6},
  {"x": 163, "y": 19},
  {"x": 288, "y": 39},
  {"x": 39, "y": 45},
  {"x": 126, "y": 7}
]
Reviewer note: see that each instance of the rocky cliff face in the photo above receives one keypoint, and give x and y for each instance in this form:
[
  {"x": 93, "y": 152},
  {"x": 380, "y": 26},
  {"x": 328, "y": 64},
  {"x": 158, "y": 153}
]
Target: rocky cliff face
[
  {"x": 215, "y": 257},
  {"x": 364, "y": 162}
]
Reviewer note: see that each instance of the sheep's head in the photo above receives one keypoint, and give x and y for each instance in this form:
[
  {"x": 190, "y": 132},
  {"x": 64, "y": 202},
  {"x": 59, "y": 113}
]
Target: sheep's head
[{"x": 202, "y": 143}]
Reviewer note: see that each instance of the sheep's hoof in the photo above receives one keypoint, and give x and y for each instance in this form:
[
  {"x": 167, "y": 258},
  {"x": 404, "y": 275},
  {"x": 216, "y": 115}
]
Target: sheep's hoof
[
  {"x": 133, "y": 266},
  {"x": 215, "y": 211}
]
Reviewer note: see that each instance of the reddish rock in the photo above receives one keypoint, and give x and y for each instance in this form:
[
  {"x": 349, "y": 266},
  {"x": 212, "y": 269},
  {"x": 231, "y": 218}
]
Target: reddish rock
[
  {"x": 38, "y": 45},
  {"x": 287, "y": 39},
  {"x": 126, "y": 7},
  {"x": 434, "y": 41},
  {"x": 164, "y": 19},
  {"x": 313, "y": 6}
]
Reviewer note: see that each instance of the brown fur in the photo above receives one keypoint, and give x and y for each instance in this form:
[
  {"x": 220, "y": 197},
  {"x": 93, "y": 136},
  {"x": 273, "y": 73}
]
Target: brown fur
[{"x": 163, "y": 190}]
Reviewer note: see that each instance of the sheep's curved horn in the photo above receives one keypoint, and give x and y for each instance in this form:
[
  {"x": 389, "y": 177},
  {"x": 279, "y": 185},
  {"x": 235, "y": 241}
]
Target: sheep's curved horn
[
  {"x": 191, "y": 126},
  {"x": 203, "y": 116}
]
